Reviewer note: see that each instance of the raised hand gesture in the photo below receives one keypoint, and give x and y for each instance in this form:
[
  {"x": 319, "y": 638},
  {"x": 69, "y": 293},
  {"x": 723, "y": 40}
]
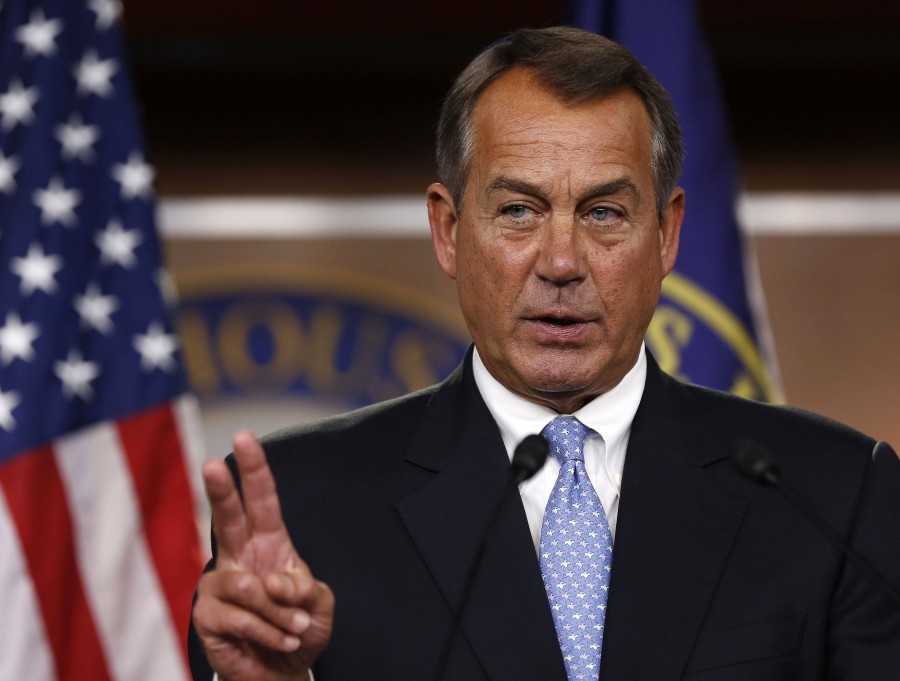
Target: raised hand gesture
[{"x": 260, "y": 614}]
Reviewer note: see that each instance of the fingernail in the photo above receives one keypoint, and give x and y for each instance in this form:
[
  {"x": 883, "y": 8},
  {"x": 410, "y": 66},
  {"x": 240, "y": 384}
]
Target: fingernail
[
  {"x": 291, "y": 643},
  {"x": 300, "y": 622}
]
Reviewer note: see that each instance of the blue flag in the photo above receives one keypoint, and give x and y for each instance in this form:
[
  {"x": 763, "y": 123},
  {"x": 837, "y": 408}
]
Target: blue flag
[{"x": 703, "y": 329}]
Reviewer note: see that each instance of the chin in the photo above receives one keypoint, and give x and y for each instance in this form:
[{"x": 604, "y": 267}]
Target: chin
[
  {"x": 571, "y": 371},
  {"x": 557, "y": 383}
]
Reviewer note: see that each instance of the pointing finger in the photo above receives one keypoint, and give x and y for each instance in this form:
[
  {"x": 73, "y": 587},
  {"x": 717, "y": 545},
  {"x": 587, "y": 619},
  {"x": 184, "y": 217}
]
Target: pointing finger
[
  {"x": 260, "y": 496},
  {"x": 228, "y": 518}
]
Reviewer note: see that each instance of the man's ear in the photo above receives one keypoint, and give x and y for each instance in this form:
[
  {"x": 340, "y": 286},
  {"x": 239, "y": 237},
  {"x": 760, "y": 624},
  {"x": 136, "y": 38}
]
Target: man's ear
[
  {"x": 670, "y": 230},
  {"x": 444, "y": 220}
]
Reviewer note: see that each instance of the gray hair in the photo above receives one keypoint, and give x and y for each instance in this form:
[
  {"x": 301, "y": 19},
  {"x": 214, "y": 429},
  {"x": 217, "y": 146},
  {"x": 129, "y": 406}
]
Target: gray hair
[{"x": 578, "y": 67}]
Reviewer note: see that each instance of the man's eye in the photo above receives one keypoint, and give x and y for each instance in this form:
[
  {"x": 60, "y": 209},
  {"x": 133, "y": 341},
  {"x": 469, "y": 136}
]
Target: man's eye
[
  {"x": 516, "y": 212},
  {"x": 602, "y": 214}
]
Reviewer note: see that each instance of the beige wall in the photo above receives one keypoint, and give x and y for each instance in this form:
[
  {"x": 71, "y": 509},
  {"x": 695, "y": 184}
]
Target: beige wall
[{"x": 834, "y": 308}]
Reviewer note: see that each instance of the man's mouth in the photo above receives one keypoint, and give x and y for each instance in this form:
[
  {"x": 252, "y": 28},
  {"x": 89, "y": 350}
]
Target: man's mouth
[
  {"x": 557, "y": 328},
  {"x": 559, "y": 321}
]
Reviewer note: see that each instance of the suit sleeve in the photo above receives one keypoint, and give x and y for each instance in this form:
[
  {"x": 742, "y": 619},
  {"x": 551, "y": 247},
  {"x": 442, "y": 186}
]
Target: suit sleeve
[
  {"x": 864, "y": 625},
  {"x": 200, "y": 669}
]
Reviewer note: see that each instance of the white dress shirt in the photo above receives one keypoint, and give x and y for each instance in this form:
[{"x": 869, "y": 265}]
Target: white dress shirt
[{"x": 610, "y": 414}]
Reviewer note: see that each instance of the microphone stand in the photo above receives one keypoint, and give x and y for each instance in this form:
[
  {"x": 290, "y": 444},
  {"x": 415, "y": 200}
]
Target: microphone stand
[
  {"x": 759, "y": 465},
  {"x": 528, "y": 459}
]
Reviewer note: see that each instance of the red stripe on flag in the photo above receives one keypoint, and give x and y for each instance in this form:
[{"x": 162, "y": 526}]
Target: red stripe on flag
[
  {"x": 158, "y": 463},
  {"x": 37, "y": 502}
]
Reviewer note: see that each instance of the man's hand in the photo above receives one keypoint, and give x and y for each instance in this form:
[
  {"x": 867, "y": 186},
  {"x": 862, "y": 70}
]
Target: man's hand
[{"x": 260, "y": 614}]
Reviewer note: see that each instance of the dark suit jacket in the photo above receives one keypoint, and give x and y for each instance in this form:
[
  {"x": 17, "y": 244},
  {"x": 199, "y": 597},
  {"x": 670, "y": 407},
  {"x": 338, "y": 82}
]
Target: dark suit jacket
[{"x": 714, "y": 577}]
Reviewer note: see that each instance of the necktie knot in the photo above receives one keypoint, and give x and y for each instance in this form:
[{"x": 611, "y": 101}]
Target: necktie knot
[{"x": 566, "y": 436}]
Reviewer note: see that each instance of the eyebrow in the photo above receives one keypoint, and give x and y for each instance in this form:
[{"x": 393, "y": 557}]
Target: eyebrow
[
  {"x": 622, "y": 185},
  {"x": 504, "y": 183}
]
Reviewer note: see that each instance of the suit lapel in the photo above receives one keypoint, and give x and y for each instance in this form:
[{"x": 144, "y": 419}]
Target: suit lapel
[
  {"x": 676, "y": 527},
  {"x": 508, "y": 622}
]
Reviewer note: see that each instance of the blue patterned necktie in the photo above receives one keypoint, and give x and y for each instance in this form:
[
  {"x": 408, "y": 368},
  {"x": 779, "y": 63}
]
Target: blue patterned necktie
[{"x": 576, "y": 552}]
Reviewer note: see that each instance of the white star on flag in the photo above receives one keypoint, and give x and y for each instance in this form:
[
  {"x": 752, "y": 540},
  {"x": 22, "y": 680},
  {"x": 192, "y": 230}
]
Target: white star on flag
[
  {"x": 37, "y": 270},
  {"x": 156, "y": 348},
  {"x": 39, "y": 34},
  {"x": 76, "y": 375},
  {"x": 117, "y": 245},
  {"x": 8, "y": 167},
  {"x": 95, "y": 309},
  {"x": 8, "y": 402},
  {"x": 77, "y": 139},
  {"x": 94, "y": 76},
  {"x": 57, "y": 203},
  {"x": 17, "y": 105},
  {"x": 107, "y": 12},
  {"x": 135, "y": 176},
  {"x": 16, "y": 339}
]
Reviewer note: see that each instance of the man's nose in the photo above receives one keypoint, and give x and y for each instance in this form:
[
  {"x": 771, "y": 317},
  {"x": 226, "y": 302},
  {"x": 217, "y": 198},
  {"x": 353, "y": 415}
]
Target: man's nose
[{"x": 562, "y": 258}]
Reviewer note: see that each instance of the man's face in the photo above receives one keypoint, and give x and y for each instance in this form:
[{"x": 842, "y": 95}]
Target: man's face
[{"x": 558, "y": 254}]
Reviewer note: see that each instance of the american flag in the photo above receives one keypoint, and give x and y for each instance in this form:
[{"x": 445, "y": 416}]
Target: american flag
[{"x": 99, "y": 546}]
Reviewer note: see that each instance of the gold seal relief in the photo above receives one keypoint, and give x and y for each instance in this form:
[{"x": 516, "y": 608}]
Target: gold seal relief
[
  {"x": 307, "y": 347},
  {"x": 671, "y": 329}
]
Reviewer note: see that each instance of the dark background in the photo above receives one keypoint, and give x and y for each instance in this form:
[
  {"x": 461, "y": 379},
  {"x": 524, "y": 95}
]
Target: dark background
[{"x": 341, "y": 97}]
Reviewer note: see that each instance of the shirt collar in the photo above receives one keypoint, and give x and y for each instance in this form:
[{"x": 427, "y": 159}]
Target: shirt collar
[{"x": 610, "y": 414}]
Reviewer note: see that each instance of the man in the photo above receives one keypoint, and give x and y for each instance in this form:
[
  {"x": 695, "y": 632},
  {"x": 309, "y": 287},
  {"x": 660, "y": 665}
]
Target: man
[{"x": 558, "y": 217}]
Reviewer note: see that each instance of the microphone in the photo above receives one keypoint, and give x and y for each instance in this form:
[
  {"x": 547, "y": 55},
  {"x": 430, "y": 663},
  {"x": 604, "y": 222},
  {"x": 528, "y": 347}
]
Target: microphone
[
  {"x": 756, "y": 463},
  {"x": 528, "y": 458}
]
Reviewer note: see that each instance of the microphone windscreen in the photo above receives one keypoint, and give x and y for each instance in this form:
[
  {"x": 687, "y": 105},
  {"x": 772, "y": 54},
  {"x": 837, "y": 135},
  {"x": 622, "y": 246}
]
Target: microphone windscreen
[
  {"x": 530, "y": 455},
  {"x": 754, "y": 461}
]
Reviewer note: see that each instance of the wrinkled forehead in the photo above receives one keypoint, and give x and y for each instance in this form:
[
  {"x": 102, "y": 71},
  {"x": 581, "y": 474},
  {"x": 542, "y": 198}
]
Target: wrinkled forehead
[
  {"x": 520, "y": 98},
  {"x": 519, "y": 115}
]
